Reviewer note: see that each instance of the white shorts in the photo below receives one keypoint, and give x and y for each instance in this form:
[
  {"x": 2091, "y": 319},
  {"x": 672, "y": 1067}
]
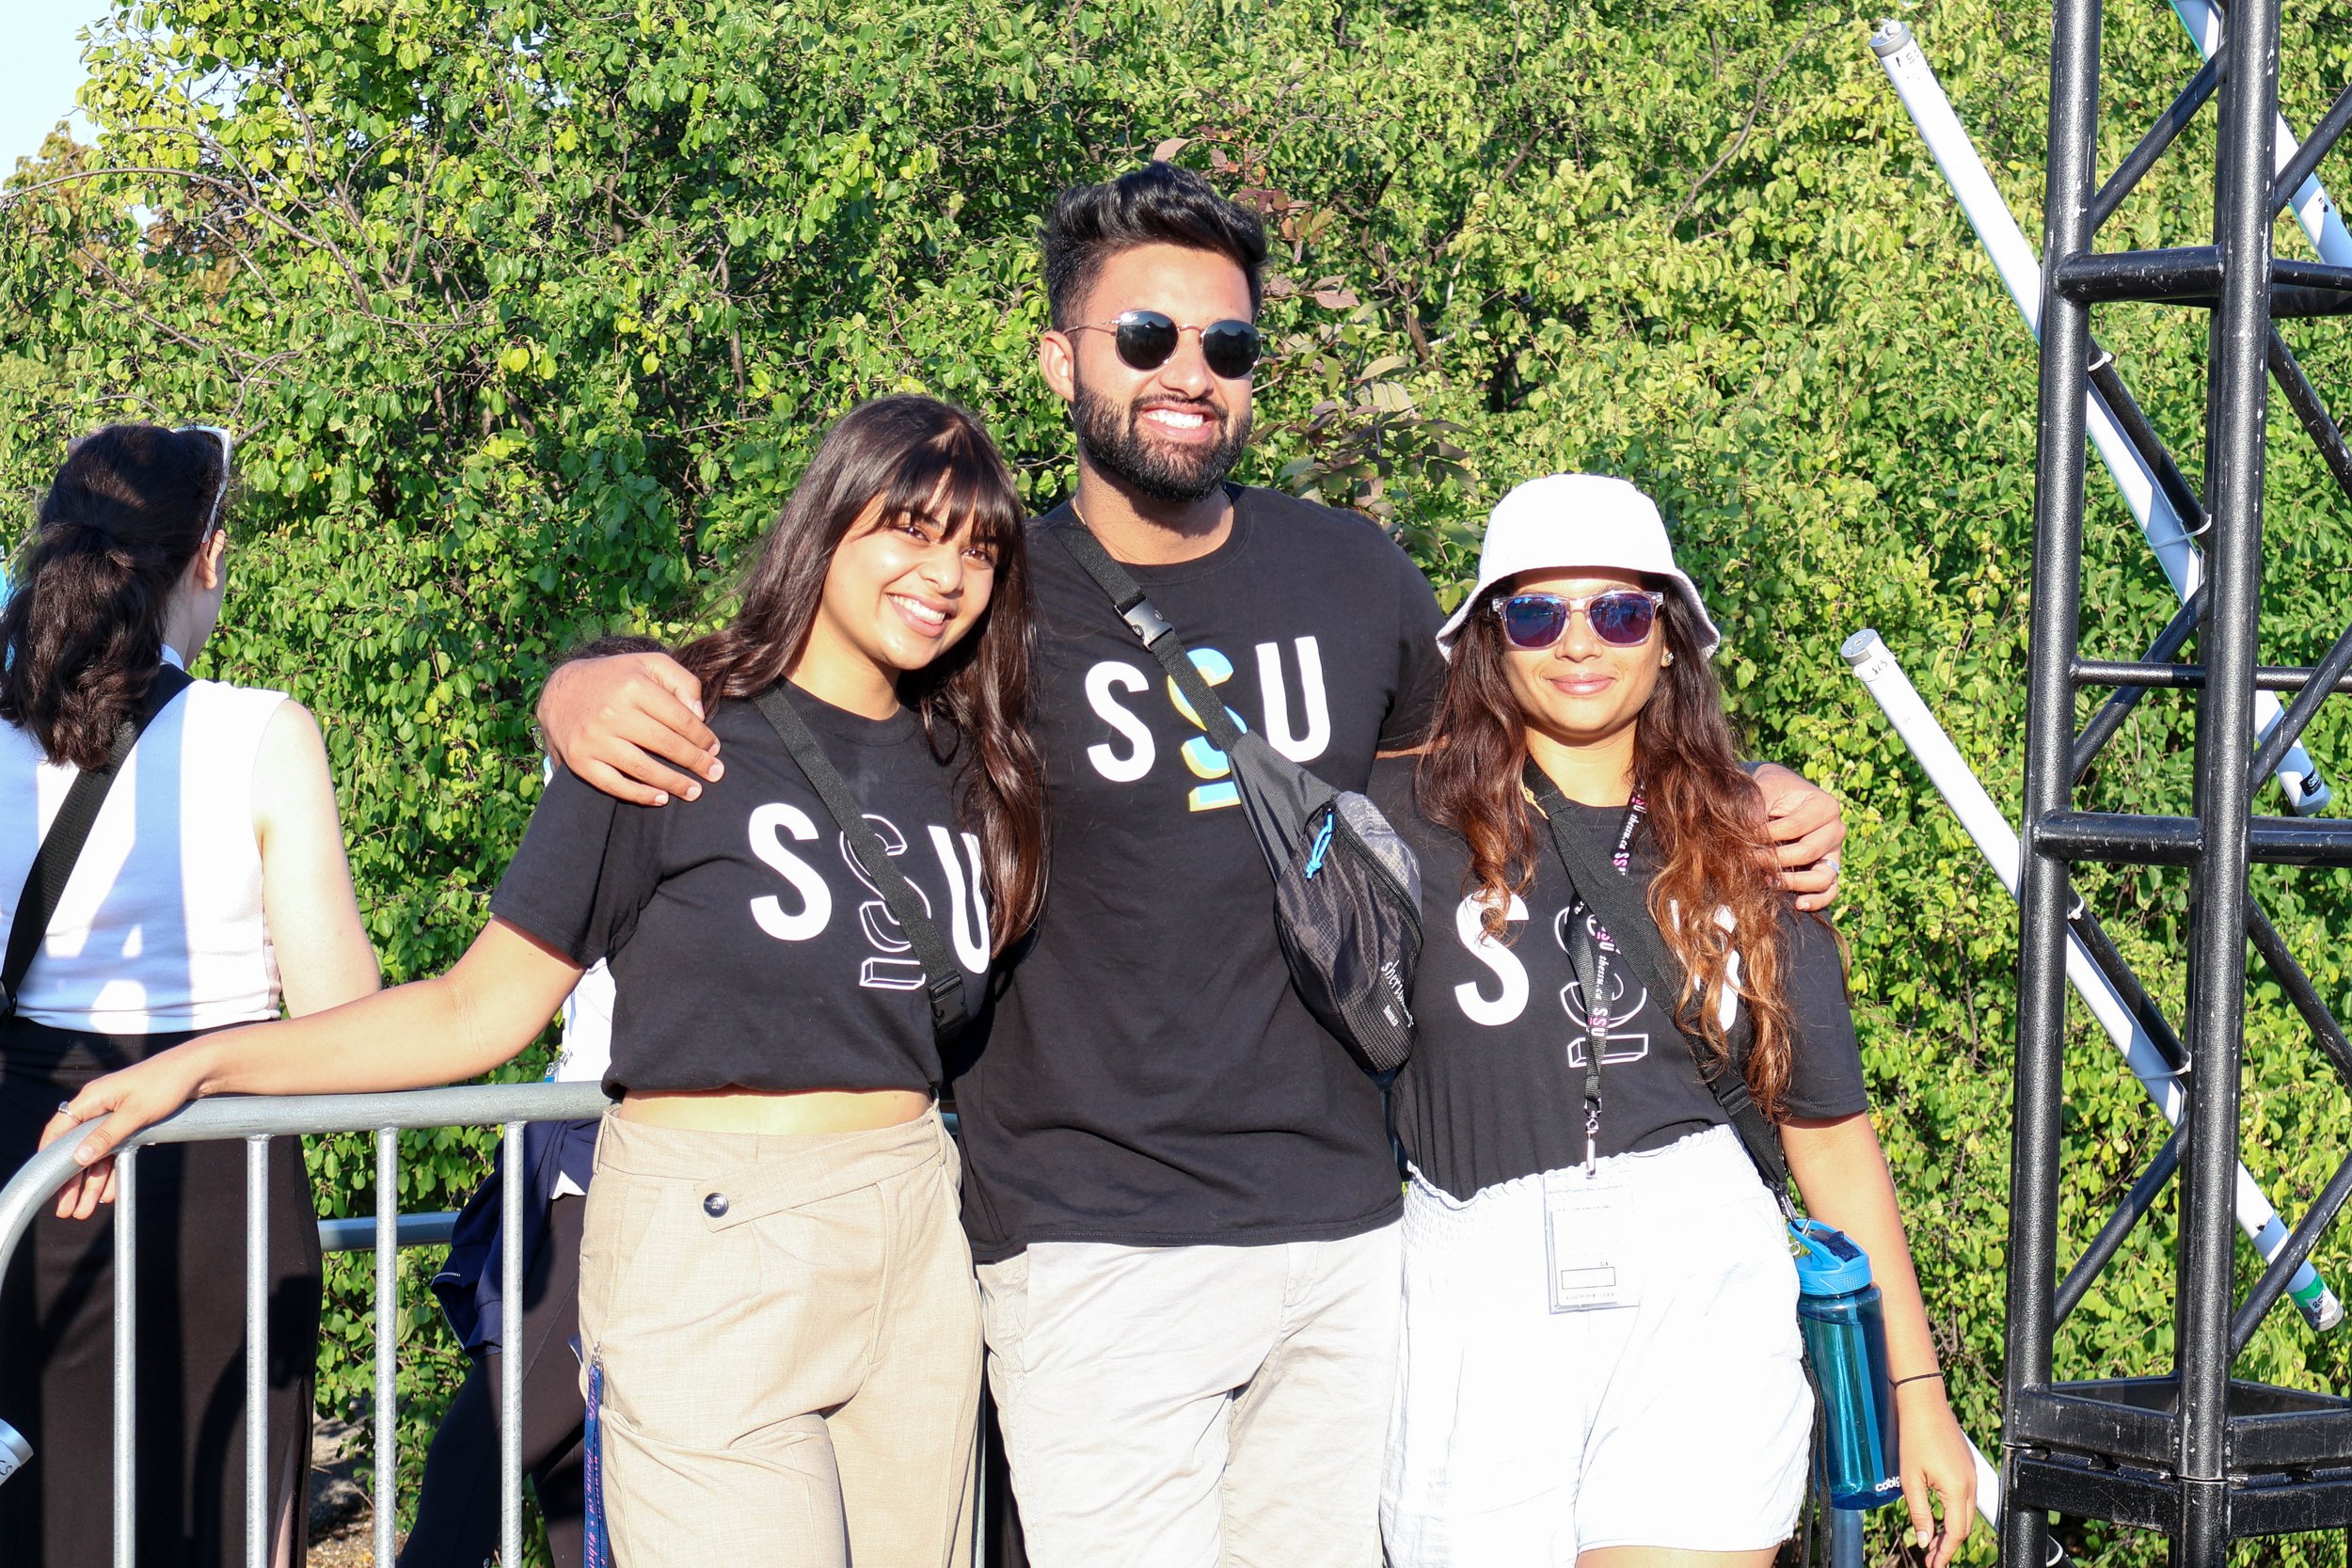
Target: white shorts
[
  {"x": 1522, "y": 1436},
  {"x": 1196, "y": 1407}
]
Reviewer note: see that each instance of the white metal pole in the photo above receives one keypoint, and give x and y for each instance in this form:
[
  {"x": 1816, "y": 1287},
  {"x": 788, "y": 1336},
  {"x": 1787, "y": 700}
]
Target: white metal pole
[
  {"x": 2176, "y": 550},
  {"x": 2321, "y": 218},
  {"x": 1875, "y": 666}
]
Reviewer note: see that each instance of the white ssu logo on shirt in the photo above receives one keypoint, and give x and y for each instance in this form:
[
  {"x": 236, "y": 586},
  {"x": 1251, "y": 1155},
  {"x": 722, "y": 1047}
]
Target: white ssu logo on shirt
[
  {"x": 1625, "y": 1044},
  {"x": 892, "y": 966},
  {"x": 1128, "y": 762}
]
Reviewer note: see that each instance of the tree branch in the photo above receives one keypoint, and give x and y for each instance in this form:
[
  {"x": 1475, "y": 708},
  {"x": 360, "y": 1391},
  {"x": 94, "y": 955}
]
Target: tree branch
[{"x": 1747, "y": 126}]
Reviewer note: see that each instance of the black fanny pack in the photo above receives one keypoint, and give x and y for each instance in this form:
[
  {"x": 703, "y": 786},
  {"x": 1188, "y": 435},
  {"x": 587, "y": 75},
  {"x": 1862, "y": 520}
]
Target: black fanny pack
[{"x": 1347, "y": 887}]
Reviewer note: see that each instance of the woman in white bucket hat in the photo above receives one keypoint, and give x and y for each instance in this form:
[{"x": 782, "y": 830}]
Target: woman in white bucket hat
[{"x": 1601, "y": 1353}]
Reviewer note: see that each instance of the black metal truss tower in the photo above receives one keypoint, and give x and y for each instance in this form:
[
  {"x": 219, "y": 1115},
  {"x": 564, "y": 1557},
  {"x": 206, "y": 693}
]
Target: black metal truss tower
[{"x": 2197, "y": 1454}]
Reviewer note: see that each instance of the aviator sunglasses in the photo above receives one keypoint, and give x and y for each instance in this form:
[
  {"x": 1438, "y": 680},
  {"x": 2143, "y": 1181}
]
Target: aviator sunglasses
[
  {"x": 1620, "y": 617},
  {"x": 1147, "y": 339}
]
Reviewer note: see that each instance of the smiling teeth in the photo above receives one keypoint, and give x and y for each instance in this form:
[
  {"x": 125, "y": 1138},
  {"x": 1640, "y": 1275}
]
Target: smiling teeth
[
  {"x": 922, "y": 611},
  {"x": 1181, "y": 420}
]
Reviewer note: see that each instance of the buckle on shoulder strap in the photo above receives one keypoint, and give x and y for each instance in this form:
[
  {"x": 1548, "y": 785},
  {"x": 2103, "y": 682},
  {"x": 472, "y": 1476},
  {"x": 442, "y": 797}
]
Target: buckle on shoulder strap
[
  {"x": 1144, "y": 619},
  {"x": 949, "y": 1010}
]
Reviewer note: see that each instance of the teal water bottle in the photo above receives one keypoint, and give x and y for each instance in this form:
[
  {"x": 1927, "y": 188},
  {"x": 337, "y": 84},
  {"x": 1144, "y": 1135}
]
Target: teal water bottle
[{"x": 1845, "y": 1337}]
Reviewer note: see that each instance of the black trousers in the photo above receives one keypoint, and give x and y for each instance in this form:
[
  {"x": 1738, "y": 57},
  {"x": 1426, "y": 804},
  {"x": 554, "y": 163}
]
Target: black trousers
[
  {"x": 458, "y": 1507},
  {"x": 57, "y": 1334}
]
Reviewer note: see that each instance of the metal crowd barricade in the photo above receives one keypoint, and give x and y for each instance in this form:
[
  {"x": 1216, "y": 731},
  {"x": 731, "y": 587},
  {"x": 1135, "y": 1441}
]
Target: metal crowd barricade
[{"x": 255, "y": 1120}]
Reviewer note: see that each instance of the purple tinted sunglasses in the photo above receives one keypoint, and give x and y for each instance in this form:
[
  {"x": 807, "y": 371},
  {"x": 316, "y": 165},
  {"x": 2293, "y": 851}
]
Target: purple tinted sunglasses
[{"x": 1620, "y": 617}]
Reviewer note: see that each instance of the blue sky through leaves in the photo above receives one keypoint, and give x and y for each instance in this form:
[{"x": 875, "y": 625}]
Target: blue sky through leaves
[{"x": 44, "y": 67}]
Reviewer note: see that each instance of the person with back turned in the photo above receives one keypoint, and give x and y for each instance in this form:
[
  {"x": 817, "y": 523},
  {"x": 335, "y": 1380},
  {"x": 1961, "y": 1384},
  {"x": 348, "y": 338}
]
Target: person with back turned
[{"x": 212, "y": 888}]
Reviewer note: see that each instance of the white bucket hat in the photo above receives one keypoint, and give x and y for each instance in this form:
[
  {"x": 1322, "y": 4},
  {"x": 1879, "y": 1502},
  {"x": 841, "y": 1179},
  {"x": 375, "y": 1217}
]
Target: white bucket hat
[{"x": 1568, "y": 520}]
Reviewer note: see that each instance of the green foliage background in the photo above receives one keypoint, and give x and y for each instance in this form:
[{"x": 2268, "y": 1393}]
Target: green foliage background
[{"x": 528, "y": 317}]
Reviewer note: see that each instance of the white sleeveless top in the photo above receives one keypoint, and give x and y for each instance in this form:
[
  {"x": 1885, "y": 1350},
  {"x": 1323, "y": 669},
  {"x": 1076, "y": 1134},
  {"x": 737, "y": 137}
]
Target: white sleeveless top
[{"x": 161, "y": 925}]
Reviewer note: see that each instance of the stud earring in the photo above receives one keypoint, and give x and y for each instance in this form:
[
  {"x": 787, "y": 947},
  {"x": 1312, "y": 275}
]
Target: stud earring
[{"x": 1669, "y": 658}]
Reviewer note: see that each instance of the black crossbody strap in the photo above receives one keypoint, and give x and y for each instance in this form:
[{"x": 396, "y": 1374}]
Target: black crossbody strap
[
  {"x": 1152, "y": 627},
  {"x": 61, "y": 845},
  {"x": 943, "y": 976},
  {"x": 1612, "y": 898},
  {"x": 1584, "y": 958}
]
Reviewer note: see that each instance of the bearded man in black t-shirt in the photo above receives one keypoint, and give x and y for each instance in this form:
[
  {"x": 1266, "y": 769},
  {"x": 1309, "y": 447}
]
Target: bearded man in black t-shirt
[{"x": 1178, "y": 1186}]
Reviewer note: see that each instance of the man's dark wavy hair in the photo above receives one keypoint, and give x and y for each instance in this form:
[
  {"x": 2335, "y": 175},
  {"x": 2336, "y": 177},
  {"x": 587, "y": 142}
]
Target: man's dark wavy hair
[{"x": 1157, "y": 204}]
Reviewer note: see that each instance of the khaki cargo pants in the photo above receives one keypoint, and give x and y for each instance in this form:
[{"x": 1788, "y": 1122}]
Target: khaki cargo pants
[{"x": 791, "y": 1341}]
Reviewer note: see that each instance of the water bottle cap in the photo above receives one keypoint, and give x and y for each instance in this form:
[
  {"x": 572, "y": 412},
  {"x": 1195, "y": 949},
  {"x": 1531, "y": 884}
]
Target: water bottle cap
[
  {"x": 1828, "y": 1262},
  {"x": 14, "y": 1451}
]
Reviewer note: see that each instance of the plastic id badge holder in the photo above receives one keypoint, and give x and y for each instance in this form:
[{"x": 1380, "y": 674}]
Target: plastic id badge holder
[{"x": 1588, "y": 1240}]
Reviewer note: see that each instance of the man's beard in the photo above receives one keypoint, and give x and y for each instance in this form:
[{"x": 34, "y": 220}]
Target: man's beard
[{"x": 1112, "y": 437}]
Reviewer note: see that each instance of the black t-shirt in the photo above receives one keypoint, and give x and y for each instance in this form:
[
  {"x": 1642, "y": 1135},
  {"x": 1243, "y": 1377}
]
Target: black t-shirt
[
  {"x": 747, "y": 949},
  {"x": 1495, "y": 1088},
  {"x": 1151, "y": 1077}
]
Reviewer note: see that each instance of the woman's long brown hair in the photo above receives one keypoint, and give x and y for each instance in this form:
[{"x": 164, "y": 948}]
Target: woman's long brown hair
[
  {"x": 919, "y": 457},
  {"x": 1706, "y": 823},
  {"x": 82, "y": 634}
]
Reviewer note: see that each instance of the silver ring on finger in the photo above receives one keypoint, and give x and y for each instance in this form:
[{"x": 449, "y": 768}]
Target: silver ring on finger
[
  {"x": 65, "y": 1109},
  {"x": 1833, "y": 861}
]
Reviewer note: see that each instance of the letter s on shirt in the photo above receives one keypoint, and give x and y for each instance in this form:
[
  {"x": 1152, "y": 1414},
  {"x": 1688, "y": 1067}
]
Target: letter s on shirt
[
  {"x": 815, "y": 898},
  {"x": 1505, "y": 964},
  {"x": 1101, "y": 680}
]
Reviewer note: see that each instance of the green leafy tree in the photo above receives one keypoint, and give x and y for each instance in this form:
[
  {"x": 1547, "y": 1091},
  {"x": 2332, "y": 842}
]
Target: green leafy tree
[{"x": 529, "y": 315}]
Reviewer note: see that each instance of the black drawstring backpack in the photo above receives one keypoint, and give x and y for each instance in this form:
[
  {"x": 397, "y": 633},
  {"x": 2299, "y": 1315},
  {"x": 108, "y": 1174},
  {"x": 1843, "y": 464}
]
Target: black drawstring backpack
[{"x": 1347, "y": 887}]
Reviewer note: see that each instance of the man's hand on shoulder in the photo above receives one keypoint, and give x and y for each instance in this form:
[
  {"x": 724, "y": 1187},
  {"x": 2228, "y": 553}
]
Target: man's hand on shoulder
[
  {"x": 619, "y": 722},
  {"x": 1807, "y": 824}
]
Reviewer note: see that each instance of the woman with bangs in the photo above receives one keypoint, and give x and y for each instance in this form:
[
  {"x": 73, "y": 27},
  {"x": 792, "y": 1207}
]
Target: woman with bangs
[
  {"x": 1601, "y": 1360},
  {"x": 777, "y": 1312}
]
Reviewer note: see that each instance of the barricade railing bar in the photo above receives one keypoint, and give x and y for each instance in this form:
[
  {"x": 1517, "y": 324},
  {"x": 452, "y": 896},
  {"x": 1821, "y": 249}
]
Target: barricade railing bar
[
  {"x": 255, "y": 1120},
  {"x": 358, "y": 1235}
]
